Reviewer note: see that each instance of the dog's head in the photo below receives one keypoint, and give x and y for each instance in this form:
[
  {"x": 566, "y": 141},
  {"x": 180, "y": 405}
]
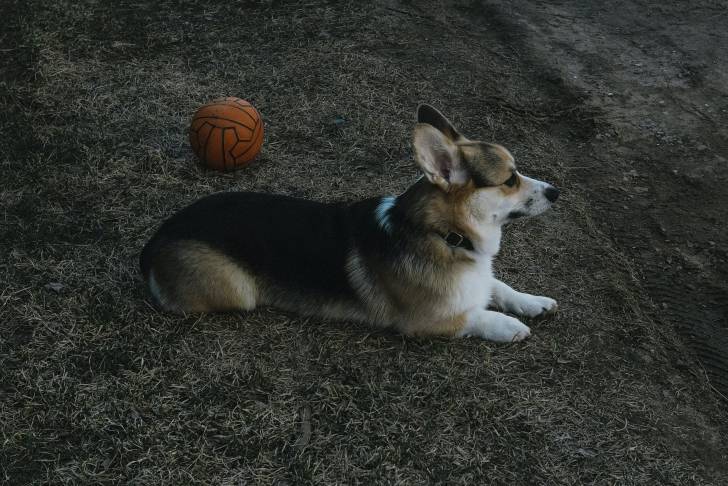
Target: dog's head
[{"x": 481, "y": 176}]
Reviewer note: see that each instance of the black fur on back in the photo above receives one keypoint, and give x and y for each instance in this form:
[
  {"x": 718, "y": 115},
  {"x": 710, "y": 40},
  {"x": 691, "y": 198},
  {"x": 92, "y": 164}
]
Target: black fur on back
[{"x": 293, "y": 242}]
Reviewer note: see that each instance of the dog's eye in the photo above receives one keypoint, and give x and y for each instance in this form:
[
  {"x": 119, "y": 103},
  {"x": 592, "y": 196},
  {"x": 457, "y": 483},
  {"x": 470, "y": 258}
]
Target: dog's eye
[{"x": 511, "y": 180}]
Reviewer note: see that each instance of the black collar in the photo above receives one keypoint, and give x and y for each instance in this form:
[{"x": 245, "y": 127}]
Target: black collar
[{"x": 456, "y": 240}]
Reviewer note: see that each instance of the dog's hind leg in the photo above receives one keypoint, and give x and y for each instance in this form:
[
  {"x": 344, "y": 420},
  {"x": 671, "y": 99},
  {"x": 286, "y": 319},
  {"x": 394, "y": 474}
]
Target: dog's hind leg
[
  {"x": 189, "y": 277},
  {"x": 522, "y": 304}
]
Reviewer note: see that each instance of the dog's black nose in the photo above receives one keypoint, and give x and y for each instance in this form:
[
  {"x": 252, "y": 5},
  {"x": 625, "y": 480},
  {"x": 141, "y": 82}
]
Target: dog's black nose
[{"x": 551, "y": 193}]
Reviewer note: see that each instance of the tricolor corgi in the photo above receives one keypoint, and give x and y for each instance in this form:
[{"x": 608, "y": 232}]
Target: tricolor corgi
[{"x": 419, "y": 263}]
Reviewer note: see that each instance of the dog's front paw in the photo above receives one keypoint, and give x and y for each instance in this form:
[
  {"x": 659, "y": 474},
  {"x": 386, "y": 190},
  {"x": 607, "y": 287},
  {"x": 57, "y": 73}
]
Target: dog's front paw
[
  {"x": 506, "y": 329},
  {"x": 494, "y": 326},
  {"x": 535, "y": 305}
]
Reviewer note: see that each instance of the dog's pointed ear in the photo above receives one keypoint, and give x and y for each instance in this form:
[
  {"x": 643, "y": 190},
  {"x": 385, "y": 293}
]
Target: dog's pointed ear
[
  {"x": 439, "y": 157},
  {"x": 428, "y": 114}
]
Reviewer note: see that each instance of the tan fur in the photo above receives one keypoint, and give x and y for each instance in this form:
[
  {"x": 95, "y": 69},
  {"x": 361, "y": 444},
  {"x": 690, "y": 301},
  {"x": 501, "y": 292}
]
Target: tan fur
[
  {"x": 411, "y": 295},
  {"x": 192, "y": 277},
  {"x": 440, "y": 211},
  {"x": 489, "y": 162},
  {"x": 507, "y": 191},
  {"x": 447, "y": 327}
]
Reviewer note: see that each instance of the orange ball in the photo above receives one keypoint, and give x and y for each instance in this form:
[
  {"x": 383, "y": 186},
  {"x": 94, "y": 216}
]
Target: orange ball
[{"x": 226, "y": 133}]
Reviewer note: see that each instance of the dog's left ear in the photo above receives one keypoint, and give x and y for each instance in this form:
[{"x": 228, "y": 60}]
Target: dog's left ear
[
  {"x": 439, "y": 157},
  {"x": 428, "y": 114}
]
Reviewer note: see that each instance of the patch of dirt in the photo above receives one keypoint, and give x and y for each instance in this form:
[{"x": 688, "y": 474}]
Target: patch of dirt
[{"x": 656, "y": 169}]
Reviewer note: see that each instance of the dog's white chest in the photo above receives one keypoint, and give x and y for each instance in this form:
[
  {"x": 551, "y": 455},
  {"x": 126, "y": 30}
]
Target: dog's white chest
[{"x": 473, "y": 288}]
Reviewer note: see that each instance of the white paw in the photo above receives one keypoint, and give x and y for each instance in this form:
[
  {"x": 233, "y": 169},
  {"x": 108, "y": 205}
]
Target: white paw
[
  {"x": 505, "y": 329},
  {"x": 534, "y": 305}
]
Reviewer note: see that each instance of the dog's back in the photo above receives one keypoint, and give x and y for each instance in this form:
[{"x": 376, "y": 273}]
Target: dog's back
[{"x": 277, "y": 244}]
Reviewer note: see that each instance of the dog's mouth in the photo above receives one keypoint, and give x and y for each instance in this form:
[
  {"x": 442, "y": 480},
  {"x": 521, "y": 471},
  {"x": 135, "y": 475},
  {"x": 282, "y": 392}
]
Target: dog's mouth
[{"x": 516, "y": 214}]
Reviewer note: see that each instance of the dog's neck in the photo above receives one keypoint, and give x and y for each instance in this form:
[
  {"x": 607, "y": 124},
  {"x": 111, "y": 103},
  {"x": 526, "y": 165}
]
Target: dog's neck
[
  {"x": 485, "y": 238},
  {"x": 488, "y": 239},
  {"x": 414, "y": 208}
]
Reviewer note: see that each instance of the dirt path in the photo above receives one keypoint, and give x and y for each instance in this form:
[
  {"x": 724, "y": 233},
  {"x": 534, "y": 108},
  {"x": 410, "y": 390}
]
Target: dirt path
[{"x": 655, "y": 79}]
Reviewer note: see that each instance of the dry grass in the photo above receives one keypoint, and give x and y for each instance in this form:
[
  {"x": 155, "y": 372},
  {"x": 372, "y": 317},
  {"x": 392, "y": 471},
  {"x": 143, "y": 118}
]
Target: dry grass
[{"x": 96, "y": 387}]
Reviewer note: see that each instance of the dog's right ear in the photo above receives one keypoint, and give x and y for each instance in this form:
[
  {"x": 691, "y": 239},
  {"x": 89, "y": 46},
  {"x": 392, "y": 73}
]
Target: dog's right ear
[
  {"x": 439, "y": 157},
  {"x": 428, "y": 114}
]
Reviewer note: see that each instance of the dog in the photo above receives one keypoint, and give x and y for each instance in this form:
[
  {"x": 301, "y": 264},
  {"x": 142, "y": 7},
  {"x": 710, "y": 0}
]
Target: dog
[{"x": 419, "y": 263}]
